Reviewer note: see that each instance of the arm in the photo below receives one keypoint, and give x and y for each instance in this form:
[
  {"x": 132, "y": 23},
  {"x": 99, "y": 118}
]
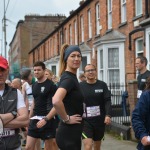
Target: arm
[
  {"x": 22, "y": 114},
  {"x": 25, "y": 95},
  {"x": 21, "y": 120},
  {"x": 59, "y": 106},
  {"x": 107, "y": 99},
  {"x": 6, "y": 118},
  {"x": 139, "y": 118}
]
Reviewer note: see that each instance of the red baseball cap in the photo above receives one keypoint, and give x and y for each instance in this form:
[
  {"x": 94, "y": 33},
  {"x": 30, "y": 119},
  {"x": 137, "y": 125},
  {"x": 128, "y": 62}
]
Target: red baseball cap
[{"x": 3, "y": 63}]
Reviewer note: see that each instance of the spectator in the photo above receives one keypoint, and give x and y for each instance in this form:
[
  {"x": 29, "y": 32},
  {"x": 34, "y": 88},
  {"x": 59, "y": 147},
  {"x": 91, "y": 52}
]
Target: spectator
[
  {"x": 49, "y": 74},
  {"x": 141, "y": 119},
  {"x": 140, "y": 64},
  {"x": 13, "y": 111},
  {"x": 16, "y": 83}
]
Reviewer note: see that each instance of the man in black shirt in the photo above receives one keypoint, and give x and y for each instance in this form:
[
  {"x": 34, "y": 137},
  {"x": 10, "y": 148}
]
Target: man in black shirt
[
  {"x": 140, "y": 64},
  {"x": 43, "y": 123},
  {"x": 97, "y": 108}
]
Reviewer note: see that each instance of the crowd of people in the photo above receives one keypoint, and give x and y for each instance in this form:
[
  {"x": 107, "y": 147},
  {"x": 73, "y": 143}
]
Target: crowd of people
[{"x": 64, "y": 112}]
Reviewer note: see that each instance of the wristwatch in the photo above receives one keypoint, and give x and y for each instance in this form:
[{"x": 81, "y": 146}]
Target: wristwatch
[
  {"x": 45, "y": 118},
  {"x": 14, "y": 113}
]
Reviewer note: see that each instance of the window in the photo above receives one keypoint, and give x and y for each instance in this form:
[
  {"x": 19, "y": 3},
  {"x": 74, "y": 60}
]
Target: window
[
  {"x": 123, "y": 11},
  {"x": 89, "y": 24},
  {"x": 75, "y": 32},
  {"x": 53, "y": 69},
  {"x": 139, "y": 47},
  {"x": 113, "y": 65},
  {"x": 138, "y": 7},
  {"x": 101, "y": 65},
  {"x": 70, "y": 34},
  {"x": 97, "y": 19},
  {"x": 82, "y": 29},
  {"x": 109, "y": 14}
]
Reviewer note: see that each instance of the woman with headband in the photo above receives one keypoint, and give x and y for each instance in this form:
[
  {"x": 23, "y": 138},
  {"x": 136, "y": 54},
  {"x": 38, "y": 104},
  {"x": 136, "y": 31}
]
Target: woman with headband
[{"x": 68, "y": 100}]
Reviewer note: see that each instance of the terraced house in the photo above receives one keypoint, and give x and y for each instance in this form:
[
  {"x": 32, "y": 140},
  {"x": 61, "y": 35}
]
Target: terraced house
[{"x": 111, "y": 34}]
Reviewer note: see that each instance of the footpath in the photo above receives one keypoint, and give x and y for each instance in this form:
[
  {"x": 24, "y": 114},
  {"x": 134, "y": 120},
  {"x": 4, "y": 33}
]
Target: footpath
[{"x": 112, "y": 143}]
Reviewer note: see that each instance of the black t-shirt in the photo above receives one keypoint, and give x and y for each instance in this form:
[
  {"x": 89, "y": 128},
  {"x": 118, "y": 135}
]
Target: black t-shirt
[
  {"x": 97, "y": 94},
  {"x": 73, "y": 100},
  {"x": 142, "y": 80},
  {"x": 43, "y": 93}
]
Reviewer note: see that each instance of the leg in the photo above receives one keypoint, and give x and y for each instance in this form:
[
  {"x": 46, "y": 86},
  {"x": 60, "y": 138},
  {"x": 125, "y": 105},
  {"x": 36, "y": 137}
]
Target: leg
[
  {"x": 50, "y": 144},
  {"x": 87, "y": 143},
  {"x": 30, "y": 145},
  {"x": 38, "y": 145},
  {"x": 97, "y": 145}
]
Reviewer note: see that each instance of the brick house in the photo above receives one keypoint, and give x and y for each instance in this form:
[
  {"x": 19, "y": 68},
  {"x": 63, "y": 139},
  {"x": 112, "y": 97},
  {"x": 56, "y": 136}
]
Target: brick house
[
  {"x": 28, "y": 34},
  {"x": 109, "y": 34}
]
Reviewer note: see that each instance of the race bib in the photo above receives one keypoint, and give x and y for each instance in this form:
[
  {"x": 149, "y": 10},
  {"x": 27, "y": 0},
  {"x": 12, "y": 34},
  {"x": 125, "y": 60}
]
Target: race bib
[
  {"x": 93, "y": 111},
  {"x": 8, "y": 132},
  {"x": 139, "y": 92}
]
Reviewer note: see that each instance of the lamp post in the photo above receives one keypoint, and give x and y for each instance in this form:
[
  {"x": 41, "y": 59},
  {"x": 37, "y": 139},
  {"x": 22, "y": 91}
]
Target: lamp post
[
  {"x": 4, "y": 29},
  {"x": 1, "y": 47}
]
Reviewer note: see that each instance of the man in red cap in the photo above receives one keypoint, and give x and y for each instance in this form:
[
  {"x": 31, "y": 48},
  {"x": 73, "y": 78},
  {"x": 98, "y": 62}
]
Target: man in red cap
[{"x": 13, "y": 112}]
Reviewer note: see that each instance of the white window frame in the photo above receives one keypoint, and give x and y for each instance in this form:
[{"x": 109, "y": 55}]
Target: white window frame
[
  {"x": 70, "y": 34},
  {"x": 82, "y": 29},
  {"x": 147, "y": 31},
  {"x": 97, "y": 18},
  {"x": 109, "y": 2},
  {"x": 75, "y": 32},
  {"x": 123, "y": 11},
  {"x": 138, "y": 3},
  {"x": 88, "y": 55},
  {"x": 89, "y": 24},
  {"x": 61, "y": 38},
  {"x": 137, "y": 48},
  {"x": 105, "y": 48}
]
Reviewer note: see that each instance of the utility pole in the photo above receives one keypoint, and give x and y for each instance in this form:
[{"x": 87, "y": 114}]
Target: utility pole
[{"x": 4, "y": 29}]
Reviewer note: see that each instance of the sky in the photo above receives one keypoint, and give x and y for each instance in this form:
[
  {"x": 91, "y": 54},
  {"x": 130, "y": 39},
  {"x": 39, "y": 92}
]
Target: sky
[{"x": 17, "y": 9}]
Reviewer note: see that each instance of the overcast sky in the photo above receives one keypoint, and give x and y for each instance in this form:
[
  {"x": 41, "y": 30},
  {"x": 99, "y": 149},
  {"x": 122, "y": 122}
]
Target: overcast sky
[{"x": 17, "y": 9}]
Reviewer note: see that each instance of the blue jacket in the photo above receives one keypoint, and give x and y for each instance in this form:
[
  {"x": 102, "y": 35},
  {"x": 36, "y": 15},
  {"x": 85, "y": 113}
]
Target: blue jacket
[{"x": 141, "y": 118}]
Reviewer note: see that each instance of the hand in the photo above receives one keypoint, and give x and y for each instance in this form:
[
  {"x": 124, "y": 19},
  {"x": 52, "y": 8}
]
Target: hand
[
  {"x": 41, "y": 123},
  {"x": 75, "y": 119},
  {"x": 145, "y": 141},
  {"x": 107, "y": 120}
]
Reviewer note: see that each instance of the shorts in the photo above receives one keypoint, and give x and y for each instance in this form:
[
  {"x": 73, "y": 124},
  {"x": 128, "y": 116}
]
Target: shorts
[
  {"x": 93, "y": 131},
  {"x": 48, "y": 131}
]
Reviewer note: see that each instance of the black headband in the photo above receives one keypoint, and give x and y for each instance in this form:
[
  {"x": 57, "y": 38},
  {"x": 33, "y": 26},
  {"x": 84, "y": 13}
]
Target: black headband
[{"x": 69, "y": 50}]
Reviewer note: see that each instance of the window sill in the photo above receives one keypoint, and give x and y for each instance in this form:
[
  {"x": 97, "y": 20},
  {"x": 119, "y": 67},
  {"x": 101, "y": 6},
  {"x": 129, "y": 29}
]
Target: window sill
[
  {"x": 109, "y": 30},
  {"x": 89, "y": 39},
  {"x": 122, "y": 24},
  {"x": 96, "y": 36},
  {"x": 137, "y": 17}
]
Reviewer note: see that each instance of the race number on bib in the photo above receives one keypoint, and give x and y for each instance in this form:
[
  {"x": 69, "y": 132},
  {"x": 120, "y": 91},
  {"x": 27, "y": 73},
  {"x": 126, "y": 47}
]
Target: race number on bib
[
  {"x": 93, "y": 111},
  {"x": 8, "y": 132},
  {"x": 139, "y": 92}
]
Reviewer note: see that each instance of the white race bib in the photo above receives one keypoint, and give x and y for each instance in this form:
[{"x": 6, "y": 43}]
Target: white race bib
[
  {"x": 93, "y": 111},
  {"x": 8, "y": 132},
  {"x": 139, "y": 92}
]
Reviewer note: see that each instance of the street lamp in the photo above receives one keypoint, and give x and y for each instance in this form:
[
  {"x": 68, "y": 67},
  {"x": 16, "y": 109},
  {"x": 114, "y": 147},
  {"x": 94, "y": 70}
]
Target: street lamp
[{"x": 1, "y": 47}]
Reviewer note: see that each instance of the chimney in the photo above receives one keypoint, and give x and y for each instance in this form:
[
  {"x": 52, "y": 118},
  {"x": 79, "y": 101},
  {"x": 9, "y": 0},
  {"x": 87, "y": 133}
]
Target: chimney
[{"x": 81, "y": 2}]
